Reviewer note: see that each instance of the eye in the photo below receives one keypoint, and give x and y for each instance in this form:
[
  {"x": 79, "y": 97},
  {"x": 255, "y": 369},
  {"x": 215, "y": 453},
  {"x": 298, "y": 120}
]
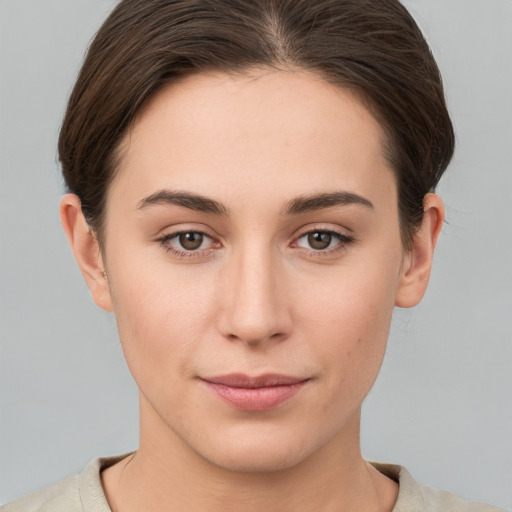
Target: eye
[
  {"x": 190, "y": 241},
  {"x": 322, "y": 240},
  {"x": 186, "y": 241}
]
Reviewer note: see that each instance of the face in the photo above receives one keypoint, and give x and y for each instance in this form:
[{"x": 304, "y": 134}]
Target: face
[{"x": 253, "y": 254}]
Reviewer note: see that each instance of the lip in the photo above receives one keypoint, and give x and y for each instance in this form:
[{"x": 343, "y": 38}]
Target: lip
[{"x": 259, "y": 393}]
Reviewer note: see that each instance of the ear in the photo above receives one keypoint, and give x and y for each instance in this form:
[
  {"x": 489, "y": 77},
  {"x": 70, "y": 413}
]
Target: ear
[
  {"x": 86, "y": 249},
  {"x": 417, "y": 263}
]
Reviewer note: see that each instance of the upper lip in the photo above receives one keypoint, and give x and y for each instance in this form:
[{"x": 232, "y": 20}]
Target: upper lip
[{"x": 240, "y": 380}]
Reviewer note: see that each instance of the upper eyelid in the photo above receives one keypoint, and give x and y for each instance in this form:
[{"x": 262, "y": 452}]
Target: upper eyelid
[
  {"x": 173, "y": 234},
  {"x": 342, "y": 237},
  {"x": 325, "y": 229},
  {"x": 168, "y": 233}
]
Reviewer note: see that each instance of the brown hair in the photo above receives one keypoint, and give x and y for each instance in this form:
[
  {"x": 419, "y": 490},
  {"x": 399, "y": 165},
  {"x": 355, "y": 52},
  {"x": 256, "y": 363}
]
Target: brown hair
[{"x": 372, "y": 47}]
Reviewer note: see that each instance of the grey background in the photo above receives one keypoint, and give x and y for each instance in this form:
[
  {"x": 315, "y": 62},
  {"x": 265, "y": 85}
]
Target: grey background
[{"x": 442, "y": 404}]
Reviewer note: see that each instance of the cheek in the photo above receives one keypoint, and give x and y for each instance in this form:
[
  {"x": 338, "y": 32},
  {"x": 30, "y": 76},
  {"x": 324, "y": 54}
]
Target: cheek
[
  {"x": 356, "y": 301},
  {"x": 161, "y": 317},
  {"x": 349, "y": 316}
]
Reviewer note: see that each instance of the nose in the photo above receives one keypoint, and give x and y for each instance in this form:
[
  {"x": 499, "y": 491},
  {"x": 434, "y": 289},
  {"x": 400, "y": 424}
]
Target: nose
[{"x": 255, "y": 309}]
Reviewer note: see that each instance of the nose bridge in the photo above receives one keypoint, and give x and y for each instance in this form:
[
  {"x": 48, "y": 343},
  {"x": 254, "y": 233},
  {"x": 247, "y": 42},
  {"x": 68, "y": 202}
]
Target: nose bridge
[{"x": 255, "y": 307}]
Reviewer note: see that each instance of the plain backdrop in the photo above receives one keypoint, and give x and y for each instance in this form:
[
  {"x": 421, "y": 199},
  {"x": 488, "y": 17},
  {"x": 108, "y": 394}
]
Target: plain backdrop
[{"x": 442, "y": 404}]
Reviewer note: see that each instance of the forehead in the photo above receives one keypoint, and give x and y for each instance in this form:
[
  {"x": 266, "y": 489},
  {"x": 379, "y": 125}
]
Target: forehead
[{"x": 262, "y": 131}]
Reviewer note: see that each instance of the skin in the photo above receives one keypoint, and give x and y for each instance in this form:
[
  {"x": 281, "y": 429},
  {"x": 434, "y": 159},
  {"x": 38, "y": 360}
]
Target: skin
[{"x": 256, "y": 297}]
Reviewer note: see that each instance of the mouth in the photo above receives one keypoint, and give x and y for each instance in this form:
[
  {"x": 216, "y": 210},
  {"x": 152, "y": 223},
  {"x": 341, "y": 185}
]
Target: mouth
[{"x": 259, "y": 393}]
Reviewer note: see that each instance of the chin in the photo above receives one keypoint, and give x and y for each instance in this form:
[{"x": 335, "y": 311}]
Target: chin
[
  {"x": 258, "y": 449},
  {"x": 257, "y": 459}
]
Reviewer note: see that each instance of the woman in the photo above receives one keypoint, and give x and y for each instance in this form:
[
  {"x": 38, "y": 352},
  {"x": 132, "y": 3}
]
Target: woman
[{"x": 251, "y": 193}]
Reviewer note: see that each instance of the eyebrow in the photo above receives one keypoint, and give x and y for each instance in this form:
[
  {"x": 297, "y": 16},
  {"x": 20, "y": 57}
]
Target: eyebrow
[
  {"x": 302, "y": 204},
  {"x": 188, "y": 200},
  {"x": 314, "y": 202}
]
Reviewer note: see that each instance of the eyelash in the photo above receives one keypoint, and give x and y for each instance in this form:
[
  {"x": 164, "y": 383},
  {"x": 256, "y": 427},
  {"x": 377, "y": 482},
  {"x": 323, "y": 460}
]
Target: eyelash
[
  {"x": 344, "y": 241},
  {"x": 164, "y": 241}
]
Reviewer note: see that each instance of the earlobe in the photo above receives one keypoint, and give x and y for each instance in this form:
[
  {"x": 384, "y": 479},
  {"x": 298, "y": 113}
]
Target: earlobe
[
  {"x": 85, "y": 247},
  {"x": 417, "y": 263}
]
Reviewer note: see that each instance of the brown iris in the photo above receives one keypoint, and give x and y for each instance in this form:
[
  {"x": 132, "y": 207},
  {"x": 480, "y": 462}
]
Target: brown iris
[
  {"x": 191, "y": 241},
  {"x": 319, "y": 240}
]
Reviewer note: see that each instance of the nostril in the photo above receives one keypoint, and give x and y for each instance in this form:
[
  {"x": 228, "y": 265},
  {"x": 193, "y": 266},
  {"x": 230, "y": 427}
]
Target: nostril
[{"x": 256, "y": 338}]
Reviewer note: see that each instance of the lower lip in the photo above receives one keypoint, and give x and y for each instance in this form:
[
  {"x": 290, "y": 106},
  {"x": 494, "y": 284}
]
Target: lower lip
[{"x": 255, "y": 399}]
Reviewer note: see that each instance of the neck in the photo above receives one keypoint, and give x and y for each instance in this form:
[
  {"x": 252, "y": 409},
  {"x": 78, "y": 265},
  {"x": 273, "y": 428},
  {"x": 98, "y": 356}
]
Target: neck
[{"x": 166, "y": 475}]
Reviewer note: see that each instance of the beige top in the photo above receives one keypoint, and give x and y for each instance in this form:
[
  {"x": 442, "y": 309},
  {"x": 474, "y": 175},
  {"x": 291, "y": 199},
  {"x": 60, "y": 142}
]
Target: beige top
[{"x": 84, "y": 493}]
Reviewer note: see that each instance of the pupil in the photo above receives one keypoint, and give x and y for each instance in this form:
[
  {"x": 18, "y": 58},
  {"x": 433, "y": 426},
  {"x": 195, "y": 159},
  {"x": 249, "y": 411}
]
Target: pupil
[
  {"x": 191, "y": 241},
  {"x": 319, "y": 240}
]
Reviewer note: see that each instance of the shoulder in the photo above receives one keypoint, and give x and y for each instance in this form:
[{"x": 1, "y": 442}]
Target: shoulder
[
  {"x": 64, "y": 495},
  {"x": 78, "y": 493},
  {"x": 413, "y": 497}
]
